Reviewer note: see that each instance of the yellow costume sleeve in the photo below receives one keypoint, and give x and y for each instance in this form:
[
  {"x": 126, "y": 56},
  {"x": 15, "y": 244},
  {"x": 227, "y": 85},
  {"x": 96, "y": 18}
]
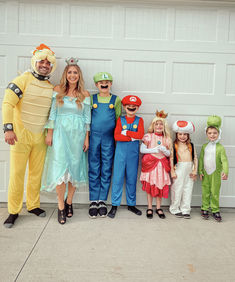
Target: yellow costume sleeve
[{"x": 13, "y": 94}]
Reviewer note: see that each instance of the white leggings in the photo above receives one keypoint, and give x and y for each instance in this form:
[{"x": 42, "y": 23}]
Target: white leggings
[{"x": 181, "y": 189}]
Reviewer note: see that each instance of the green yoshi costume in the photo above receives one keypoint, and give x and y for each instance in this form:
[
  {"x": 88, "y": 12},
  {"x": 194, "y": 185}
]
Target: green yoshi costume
[{"x": 212, "y": 163}]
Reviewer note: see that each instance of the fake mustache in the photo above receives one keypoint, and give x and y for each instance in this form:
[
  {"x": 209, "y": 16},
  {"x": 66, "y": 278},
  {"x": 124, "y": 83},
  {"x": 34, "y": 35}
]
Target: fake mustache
[
  {"x": 131, "y": 109},
  {"x": 106, "y": 86}
]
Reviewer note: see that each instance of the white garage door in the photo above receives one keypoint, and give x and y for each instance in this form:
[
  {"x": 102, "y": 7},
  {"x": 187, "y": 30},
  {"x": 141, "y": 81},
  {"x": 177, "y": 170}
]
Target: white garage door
[{"x": 177, "y": 57}]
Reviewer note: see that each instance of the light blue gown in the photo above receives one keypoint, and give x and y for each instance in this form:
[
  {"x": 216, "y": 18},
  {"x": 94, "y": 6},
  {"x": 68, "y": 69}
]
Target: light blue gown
[{"x": 65, "y": 160}]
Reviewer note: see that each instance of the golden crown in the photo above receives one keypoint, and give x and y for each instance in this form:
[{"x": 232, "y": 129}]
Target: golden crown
[{"x": 161, "y": 114}]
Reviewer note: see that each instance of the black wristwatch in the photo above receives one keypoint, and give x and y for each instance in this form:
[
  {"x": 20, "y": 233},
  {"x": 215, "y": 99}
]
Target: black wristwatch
[{"x": 7, "y": 127}]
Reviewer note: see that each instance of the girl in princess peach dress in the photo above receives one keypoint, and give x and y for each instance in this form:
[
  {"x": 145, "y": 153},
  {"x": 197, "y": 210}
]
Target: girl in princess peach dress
[{"x": 155, "y": 171}]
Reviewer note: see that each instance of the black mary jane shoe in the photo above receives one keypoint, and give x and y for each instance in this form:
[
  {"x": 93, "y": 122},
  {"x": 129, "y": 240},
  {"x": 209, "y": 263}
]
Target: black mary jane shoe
[
  {"x": 68, "y": 209},
  {"x": 149, "y": 213},
  {"x": 161, "y": 215},
  {"x": 61, "y": 216}
]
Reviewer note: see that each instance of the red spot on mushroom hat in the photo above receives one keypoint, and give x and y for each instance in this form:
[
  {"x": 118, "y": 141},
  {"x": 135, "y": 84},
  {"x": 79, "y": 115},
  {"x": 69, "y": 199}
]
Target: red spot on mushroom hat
[{"x": 183, "y": 126}]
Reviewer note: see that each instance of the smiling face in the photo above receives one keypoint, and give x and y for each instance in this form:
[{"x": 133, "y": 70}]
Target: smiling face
[
  {"x": 212, "y": 134},
  {"x": 158, "y": 127},
  {"x": 131, "y": 110},
  {"x": 72, "y": 75},
  {"x": 104, "y": 87},
  {"x": 182, "y": 137},
  {"x": 43, "y": 67}
]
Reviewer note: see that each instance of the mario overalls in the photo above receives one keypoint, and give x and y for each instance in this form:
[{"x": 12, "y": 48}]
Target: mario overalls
[
  {"x": 126, "y": 162},
  {"x": 101, "y": 149}
]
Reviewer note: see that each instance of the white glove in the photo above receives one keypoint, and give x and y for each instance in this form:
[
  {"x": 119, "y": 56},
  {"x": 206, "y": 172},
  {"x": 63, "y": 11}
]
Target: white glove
[
  {"x": 145, "y": 150},
  {"x": 124, "y": 132},
  {"x": 133, "y": 139},
  {"x": 164, "y": 150}
]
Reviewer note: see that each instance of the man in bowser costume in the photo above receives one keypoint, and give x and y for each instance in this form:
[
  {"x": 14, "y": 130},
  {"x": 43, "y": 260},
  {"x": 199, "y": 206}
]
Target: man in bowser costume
[{"x": 25, "y": 111}]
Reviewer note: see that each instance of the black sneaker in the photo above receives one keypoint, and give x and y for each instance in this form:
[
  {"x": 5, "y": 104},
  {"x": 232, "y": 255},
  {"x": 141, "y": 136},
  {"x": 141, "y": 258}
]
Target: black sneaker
[
  {"x": 9, "y": 222},
  {"x": 134, "y": 210},
  {"x": 102, "y": 209},
  {"x": 179, "y": 214},
  {"x": 112, "y": 212},
  {"x": 93, "y": 210},
  {"x": 187, "y": 216}
]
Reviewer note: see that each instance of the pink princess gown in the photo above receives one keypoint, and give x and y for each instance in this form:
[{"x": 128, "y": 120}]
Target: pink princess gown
[{"x": 155, "y": 176}]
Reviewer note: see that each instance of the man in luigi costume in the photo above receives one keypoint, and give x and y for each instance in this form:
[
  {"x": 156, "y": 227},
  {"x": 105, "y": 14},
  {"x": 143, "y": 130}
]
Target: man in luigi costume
[
  {"x": 106, "y": 108},
  {"x": 213, "y": 166},
  {"x": 129, "y": 130}
]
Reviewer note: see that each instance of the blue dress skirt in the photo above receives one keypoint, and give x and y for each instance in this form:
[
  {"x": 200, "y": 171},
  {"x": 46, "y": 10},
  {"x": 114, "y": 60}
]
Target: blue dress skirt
[{"x": 65, "y": 160}]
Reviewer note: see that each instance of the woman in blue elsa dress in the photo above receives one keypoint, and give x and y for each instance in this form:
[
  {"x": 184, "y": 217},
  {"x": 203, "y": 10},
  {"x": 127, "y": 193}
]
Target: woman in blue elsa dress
[{"x": 67, "y": 138}]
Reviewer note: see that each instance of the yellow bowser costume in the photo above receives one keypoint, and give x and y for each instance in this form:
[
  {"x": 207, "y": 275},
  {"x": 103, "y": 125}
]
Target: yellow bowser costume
[{"x": 26, "y": 108}]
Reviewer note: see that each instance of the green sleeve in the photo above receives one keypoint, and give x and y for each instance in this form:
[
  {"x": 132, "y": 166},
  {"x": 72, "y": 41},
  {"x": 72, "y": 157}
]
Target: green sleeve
[
  {"x": 118, "y": 107},
  {"x": 201, "y": 160},
  {"x": 224, "y": 161}
]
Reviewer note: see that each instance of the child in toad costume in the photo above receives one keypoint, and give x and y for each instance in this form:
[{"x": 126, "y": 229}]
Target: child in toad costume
[{"x": 213, "y": 166}]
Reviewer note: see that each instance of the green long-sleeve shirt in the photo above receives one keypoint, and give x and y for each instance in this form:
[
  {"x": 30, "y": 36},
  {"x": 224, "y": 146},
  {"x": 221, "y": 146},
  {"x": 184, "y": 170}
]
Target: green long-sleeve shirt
[{"x": 117, "y": 105}]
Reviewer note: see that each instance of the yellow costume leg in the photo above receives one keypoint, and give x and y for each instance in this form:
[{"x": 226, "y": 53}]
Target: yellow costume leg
[
  {"x": 36, "y": 163},
  {"x": 18, "y": 161}
]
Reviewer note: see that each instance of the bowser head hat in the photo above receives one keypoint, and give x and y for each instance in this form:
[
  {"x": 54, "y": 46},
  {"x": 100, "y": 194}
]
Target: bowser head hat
[
  {"x": 102, "y": 76},
  {"x": 214, "y": 121},
  {"x": 183, "y": 126},
  {"x": 131, "y": 100},
  {"x": 43, "y": 52}
]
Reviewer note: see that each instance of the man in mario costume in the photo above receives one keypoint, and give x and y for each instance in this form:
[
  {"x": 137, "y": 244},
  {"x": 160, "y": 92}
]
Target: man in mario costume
[
  {"x": 25, "y": 111},
  {"x": 129, "y": 130}
]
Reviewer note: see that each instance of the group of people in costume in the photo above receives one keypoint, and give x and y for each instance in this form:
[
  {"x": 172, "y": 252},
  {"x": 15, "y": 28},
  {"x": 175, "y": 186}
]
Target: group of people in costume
[{"x": 60, "y": 124}]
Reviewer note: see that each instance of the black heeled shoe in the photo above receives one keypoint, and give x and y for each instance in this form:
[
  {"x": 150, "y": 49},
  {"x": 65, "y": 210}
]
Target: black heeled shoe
[
  {"x": 68, "y": 209},
  {"x": 61, "y": 216}
]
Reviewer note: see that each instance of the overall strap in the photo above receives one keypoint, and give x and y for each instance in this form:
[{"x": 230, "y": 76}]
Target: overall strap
[
  {"x": 123, "y": 120},
  {"x": 113, "y": 99},
  {"x": 95, "y": 98},
  {"x": 136, "y": 121}
]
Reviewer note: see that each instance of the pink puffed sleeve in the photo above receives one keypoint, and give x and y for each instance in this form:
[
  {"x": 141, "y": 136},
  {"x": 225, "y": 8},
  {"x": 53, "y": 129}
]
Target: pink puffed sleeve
[{"x": 147, "y": 139}]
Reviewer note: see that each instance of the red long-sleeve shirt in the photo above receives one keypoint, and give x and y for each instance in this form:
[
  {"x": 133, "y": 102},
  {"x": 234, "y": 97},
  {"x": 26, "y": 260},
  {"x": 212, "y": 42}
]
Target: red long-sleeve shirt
[{"x": 129, "y": 134}]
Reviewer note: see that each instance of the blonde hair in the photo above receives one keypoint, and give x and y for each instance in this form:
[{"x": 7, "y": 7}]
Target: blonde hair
[
  {"x": 64, "y": 87},
  {"x": 166, "y": 130}
]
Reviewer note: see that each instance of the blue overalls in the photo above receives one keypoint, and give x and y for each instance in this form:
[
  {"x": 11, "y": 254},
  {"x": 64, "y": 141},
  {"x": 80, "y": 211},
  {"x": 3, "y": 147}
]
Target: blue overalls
[
  {"x": 101, "y": 148},
  {"x": 126, "y": 162}
]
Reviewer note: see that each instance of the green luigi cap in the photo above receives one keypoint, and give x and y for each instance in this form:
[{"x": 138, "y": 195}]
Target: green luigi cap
[
  {"x": 102, "y": 76},
  {"x": 214, "y": 121}
]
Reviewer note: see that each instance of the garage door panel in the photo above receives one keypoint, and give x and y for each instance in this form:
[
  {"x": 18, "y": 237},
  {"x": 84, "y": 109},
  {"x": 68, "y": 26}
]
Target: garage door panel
[
  {"x": 193, "y": 78},
  {"x": 40, "y": 18},
  {"x": 231, "y": 29},
  {"x": 196, "y": 24},
  {"x": 91, "y": 21},
  {"x": 145, "y": 23},
  {"x": 144, "y": 76},
  {"x": 2, "y": 17}
]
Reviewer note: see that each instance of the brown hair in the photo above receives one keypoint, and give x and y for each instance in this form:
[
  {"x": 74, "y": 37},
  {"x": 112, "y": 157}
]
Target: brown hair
[
  {"x": 64, "y": 87},
  {"x": 211, "y": 127},
  {"x": 188, "y": 143}
]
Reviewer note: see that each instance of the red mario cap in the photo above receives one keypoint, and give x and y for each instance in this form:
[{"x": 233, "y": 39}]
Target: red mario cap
[{"x": 131, "y": 100}]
